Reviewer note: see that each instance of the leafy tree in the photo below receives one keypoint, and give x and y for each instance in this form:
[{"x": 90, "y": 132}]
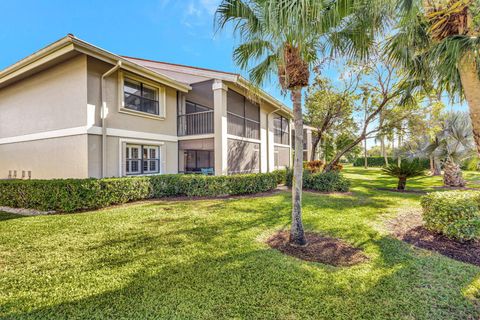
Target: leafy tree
[
  {"x": 377, "y": 91},
  {"x": 285, "y": 37},
  {"x": 406, "y": 169},
  {"x": 437, "y": 43},
  {"x": 327, "y": 110}
]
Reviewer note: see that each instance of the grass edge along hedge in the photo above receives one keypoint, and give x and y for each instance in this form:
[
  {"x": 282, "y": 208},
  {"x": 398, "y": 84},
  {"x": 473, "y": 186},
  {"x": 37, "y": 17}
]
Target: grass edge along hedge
[
  {"x": 456, "y": 214},
  {"x": 70, "y": 195}
]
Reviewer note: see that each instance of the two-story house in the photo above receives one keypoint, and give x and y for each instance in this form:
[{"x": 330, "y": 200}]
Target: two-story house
[{"x": 73, "y": 110}]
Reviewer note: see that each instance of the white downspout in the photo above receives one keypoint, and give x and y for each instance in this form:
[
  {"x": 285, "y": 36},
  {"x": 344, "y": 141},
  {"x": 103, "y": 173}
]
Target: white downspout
[
  {"x": 268, "y": 140},
  {"x": 103, "y": 115}
]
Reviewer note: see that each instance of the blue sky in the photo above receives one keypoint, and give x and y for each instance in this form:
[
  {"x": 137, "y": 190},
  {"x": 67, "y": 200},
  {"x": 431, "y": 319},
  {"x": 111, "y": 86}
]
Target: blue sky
[{"x": 178, "y": 31}]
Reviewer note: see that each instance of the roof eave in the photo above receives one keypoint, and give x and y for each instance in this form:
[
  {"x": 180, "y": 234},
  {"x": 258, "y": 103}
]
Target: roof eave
[
  {"x": 265, "y": 96},
  {"x": 69, "y": 44}
]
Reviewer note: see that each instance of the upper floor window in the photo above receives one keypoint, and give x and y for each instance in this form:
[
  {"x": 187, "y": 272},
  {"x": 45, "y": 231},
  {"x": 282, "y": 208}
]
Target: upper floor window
[
  {"x": 281, "y": 129},
  {"x": 140, "y": 97},
  {"x": 243, "y": 116}
]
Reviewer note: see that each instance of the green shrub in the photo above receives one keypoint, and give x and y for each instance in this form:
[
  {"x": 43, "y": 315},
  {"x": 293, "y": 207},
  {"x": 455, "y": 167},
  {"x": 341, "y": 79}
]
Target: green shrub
[
  {"x": 455, "y": 214},
  {"x": 332, "y": 181},
  {"x": 281, "y": 176},
  {"x": 69, "y": 195},
  {"x": 380, "y": 162},
  {"x": 406, "y": 169}
]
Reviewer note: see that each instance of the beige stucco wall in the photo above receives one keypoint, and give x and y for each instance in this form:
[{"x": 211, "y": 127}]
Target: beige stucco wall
[
  {"x": 129, "y": 122},
  {"x": 119, "y": 120},
  {"x": 64, "y": 157},
  {"x": 53, "y": 99}
]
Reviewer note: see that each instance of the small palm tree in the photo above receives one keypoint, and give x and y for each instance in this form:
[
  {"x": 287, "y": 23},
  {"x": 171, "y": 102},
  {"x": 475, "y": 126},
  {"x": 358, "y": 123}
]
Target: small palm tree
[
  {"x": 453, "y": 145},
  {"x": 406, "y": 169}
]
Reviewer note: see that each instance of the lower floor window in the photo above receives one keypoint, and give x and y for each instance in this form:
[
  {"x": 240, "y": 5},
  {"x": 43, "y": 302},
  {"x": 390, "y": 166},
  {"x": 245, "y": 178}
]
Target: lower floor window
[{"x": 142, "y": 159}]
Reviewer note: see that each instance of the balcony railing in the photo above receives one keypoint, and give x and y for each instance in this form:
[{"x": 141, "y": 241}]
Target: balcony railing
[{"x": 195, "y": 123}]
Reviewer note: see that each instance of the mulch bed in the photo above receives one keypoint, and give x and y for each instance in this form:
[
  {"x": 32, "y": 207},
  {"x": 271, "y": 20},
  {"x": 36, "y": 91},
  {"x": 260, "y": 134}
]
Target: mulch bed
[
  {"x": 409, "y": 228},
  {"x": 319, "y": 249}
]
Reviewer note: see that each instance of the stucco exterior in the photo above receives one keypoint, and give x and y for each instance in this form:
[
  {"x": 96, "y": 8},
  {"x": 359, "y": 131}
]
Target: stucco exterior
[{"x": 63, "y": 115}]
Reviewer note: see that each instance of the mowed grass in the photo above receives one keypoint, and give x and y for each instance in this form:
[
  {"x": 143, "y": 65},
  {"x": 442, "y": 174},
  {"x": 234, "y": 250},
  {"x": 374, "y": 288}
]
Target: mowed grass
[{"x": 207, "y": 260}]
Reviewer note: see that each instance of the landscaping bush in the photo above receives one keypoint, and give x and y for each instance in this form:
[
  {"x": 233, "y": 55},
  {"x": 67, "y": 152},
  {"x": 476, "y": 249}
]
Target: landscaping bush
[
  {"x": 455, "y": 214},
  {"x": 332, "y": 181},
  {"x": 380, "y": 162},
  {"x": 69, "y": 195},
  {"x": 281, "y": 176},
  {"x": 314, "y": 166}
]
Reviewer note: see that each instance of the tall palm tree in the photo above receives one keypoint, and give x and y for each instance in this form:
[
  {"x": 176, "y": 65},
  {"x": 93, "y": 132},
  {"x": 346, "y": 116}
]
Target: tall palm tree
[
  {"x": 438, "y": 43},
  {"x": 285, "y": 37}
]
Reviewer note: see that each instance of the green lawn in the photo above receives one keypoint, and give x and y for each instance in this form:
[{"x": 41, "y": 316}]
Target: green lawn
[{"x": 206, "y": 260}]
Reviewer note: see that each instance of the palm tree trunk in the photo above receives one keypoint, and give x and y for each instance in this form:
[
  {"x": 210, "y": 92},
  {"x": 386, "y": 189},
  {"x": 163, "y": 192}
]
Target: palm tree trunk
[
  {"x": 297, "y": 234},
  {"x": 452, "y": 174},
  {"x": 402, "y": 182},
  {"x": 471, "y": 86}
]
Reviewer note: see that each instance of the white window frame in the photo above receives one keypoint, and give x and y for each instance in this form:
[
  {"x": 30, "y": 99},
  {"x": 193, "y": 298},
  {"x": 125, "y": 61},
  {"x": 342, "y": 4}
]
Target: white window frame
[
  {"x": 161, "y": 94},
  {"x": 122, "y": 156}
]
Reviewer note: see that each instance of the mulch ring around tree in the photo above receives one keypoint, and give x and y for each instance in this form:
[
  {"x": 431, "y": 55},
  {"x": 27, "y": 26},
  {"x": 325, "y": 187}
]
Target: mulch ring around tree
[
  {"x": 319, "y": 249},
  {"x": 408, "y": 227}
]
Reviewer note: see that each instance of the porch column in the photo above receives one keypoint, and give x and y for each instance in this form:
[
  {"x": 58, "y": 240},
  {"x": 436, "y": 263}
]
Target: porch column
[
  {"x": 271, "y": 143},
  {"x": 220, "y": 127}
]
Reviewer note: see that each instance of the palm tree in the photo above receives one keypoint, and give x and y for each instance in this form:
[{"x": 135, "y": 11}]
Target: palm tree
[
  {"x": 285, "y": 37},
  {"x": 406, "y": 169},
  {"x": 453, "y": 145},
  {"x": 438, "y": 43}
]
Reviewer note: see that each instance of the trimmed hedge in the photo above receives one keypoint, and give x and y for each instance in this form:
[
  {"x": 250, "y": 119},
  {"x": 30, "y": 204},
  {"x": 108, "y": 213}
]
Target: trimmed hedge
[
  {"x": 332, "y": 181},
  {"x": 281, "y": 176},
  {"x": 456, "y": 214},
  {"x": 69, "y": 195},
  {"x": 380, "y": 162}
]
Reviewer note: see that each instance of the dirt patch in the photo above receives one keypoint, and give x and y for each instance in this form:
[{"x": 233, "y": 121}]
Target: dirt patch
[
  {"x": 409, "y": 228},
  {"x": 319, "y": 249},
  {"x": 403, "y": 191}
]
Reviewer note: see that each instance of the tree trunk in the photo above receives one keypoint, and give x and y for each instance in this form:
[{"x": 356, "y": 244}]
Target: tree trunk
[
  {"x": 434, "y": 167},
  {"x": 452, "y": 175},
  {"x": 365, "y": 154},
  {"x": 384, "y": 151},
  {"x": 340, "y": 154},
  {"x": 297, "y": 234},
  {"x": 471, "y": 86},
  {"x": 402, "y": 182},
  {"x": 314, "y": 147}
]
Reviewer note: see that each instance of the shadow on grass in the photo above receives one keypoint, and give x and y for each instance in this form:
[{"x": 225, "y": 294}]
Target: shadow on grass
[
  {"x": 263, "y": 283},
  {"x": 8, "y": 216}
]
